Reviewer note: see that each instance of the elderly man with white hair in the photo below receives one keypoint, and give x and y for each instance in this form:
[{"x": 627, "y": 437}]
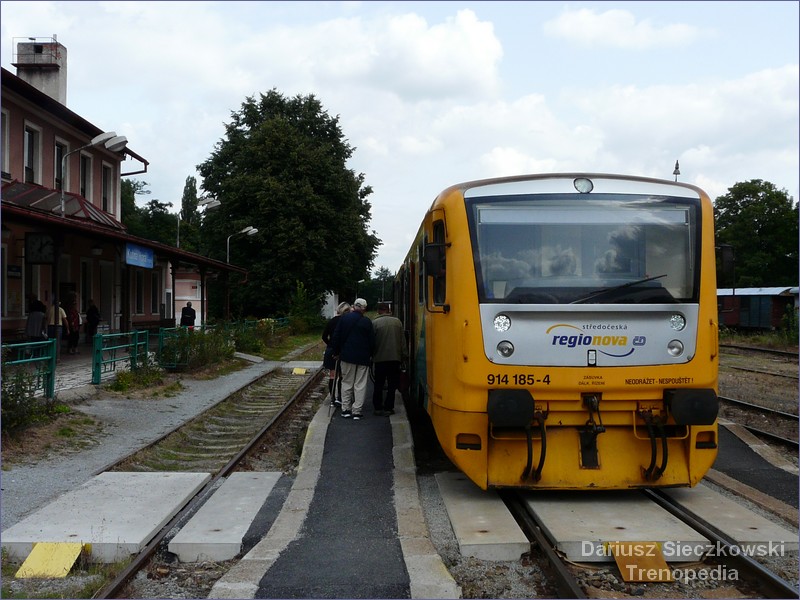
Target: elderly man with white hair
[{"x": 354, "y": 343}]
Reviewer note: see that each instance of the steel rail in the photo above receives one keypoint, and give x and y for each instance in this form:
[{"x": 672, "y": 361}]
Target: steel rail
[
  {"x": 115, "y": 587},
  {"x": 764, "y": 409},
  {"x": 785, "y": 353},
  {"x": 773, "y": 437},
  {"x": 762, "y": 372},
  {"x": 774, "y": 584},
  {"x": 566, "y": 583}
]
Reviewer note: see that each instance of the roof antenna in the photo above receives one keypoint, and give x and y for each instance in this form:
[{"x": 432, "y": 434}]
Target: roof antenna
[{"x": 677, "y": 170}]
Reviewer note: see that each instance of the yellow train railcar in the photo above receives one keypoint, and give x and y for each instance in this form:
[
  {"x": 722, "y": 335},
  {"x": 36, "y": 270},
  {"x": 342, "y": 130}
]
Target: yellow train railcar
[{"x": 563, "y": 330}]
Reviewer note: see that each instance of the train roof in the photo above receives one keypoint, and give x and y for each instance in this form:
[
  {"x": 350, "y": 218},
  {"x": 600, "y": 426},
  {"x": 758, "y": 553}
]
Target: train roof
[{"x": 759, "y": 291}]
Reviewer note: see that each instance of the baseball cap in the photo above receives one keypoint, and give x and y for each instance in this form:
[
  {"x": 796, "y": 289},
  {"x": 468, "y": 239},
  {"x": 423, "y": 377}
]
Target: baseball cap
[{"x": 360, "y": 303}]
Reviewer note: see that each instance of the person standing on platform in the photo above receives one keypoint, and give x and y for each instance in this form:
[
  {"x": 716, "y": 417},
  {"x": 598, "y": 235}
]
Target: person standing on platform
[
  {"x": 353, "y": 344},
  {"x": 188, "y": 315},
  {"x": 74, "y": 321},
  {"x": 328, "y": 361},
  {"x": 390, "y": 352},
  {"x": 92, "y": 321},
  {"x": 35, "y": 326},
  {"x": 57, "y": 325}
]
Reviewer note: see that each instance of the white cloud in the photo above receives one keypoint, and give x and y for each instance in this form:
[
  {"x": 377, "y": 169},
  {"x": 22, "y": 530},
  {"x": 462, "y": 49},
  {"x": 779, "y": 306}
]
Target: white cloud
[
  {"x": 422, "y": 90},
  {"x": 618, "y": 29}
]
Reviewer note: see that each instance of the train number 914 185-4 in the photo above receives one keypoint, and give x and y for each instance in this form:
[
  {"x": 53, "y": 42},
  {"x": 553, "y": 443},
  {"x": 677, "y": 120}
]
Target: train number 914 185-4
[{"x": 516, "y": 379}]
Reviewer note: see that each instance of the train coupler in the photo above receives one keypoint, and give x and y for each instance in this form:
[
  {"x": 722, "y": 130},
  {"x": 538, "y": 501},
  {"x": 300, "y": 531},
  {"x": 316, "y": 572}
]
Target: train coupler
[
  {"x": 589, "y": 432},
  {"x": 655, "y": 428}
]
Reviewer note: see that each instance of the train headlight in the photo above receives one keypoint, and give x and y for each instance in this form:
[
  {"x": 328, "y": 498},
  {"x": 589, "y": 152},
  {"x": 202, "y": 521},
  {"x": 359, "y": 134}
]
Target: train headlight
[
  {"x": 675, "y": 348},
  {"x": 502, "y": 323},
  {"x": 677, "y": 322},
  {"x": 505, "y": 349},
  {"x": 583, "y": 185}
]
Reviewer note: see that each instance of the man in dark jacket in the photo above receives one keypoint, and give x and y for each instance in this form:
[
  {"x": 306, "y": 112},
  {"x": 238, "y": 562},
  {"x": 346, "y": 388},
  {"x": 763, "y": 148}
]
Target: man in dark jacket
[
  {"x": 353, "y": 342},
  {"x": 188, "y": 315}
]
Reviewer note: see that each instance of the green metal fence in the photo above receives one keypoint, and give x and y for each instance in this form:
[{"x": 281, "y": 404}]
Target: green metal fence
[
  {"x": 37, "y": 359},
  {"x": 174, "y": 348},
  {"x": 108, "y": 350}
]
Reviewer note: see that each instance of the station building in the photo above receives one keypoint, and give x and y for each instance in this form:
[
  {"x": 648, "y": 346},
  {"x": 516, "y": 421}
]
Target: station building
[{"x": 61, "y": 211}]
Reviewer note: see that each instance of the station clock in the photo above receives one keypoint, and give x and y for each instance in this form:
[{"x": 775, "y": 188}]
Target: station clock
[{"x": 40, "y": 248}]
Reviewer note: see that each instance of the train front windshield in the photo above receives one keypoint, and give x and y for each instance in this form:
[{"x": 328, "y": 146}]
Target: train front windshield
[{"x": 571, "y": 249}]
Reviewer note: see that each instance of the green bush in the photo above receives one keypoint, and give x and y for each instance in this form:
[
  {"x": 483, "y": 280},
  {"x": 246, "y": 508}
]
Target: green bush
[
  {"x": 20, "y": 405},
  {"x": 304, "y": 311},
  {"x": 146, "y": 373},
  {"x": 194, "y": 348},
  {"x": 249, "y": 337},
  {"x": 789, "y": 326}
]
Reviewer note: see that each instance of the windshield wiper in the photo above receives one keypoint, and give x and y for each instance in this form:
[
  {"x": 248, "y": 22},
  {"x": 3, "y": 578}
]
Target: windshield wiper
[{"x": 596, "y": 293}]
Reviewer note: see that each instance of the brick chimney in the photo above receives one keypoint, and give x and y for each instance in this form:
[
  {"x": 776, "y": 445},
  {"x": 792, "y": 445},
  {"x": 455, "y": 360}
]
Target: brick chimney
[{"x": 42, "y": 62}]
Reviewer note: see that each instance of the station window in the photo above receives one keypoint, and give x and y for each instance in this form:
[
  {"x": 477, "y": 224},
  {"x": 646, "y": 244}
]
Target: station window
[
  {"x": 139, "y": 292},
  {"x": 32, "y": 154},
  {"x": 58, "y": 164},
  {"x": 106, "y": 188},
  {"x": 86, "y": 176}
]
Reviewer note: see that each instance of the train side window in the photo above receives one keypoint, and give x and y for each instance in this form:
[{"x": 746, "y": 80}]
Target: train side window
[
  {"x": 421, "y": 274},
  {"x": 439, "y": 280}
]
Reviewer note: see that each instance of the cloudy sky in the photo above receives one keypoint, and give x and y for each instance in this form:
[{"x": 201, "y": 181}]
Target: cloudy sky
[{"x": 435, "y": 93}]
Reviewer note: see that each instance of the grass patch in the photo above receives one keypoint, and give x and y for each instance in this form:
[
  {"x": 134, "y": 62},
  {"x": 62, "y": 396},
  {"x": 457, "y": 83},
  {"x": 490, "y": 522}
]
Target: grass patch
[
  {"x": 774, "y": 340},
  {"x": 69, "y": 432},
  {"x": 84, "y": 580},
  {"x": 284, "y": 345}
]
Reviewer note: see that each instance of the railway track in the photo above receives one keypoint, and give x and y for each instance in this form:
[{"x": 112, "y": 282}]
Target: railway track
[
  {"x": 775, "y": 425},
  {"x": 768, "y": 583},
  {"x": 787, "y": 354},
  {"x": 570, "y": 579},
  {"x": 237, "y": 433}
]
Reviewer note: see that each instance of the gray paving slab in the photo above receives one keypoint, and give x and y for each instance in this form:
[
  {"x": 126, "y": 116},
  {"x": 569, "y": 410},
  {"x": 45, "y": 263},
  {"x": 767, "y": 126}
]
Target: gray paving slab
[
  {"x": 583, "y": 524},
  {"x": 114, "y": 512},
  {"x": 481, "y": 521},
  {"x": 216, "y": 531},
  {"x": 755, "y": 534}
]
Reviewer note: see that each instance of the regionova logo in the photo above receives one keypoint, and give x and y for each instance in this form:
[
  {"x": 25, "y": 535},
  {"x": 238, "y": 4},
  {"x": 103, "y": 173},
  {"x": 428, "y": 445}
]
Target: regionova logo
[{"x": 611, "y": 339}]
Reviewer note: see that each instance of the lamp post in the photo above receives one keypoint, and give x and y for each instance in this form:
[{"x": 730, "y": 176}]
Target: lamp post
[
  {"x": 204, "y": 203},
  {"x": 249, "y": 230},
  {"x": 358, "y": 282},
  {"x": 112, "y": 142}
]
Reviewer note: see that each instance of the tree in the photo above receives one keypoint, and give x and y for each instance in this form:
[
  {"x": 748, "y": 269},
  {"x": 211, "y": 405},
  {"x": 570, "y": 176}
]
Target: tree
[
  {"x": 158, "y": 222},
  {"x": 384, "y": 279},
  {"x": 189, "y": 225},
  {"x": 760, "y": 222},
  {"x": 132, "y": 215},
  {"x": 281, "y": 168}
]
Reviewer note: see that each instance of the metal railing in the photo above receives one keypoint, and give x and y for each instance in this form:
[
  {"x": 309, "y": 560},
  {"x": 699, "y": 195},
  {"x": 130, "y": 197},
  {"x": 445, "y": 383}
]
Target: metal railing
[
  {"x": 108, "y": 350},
  {"x": 111, "y": 349},
  {"x": 38, "y": 359},
  {"x": 174, "y": 349}
]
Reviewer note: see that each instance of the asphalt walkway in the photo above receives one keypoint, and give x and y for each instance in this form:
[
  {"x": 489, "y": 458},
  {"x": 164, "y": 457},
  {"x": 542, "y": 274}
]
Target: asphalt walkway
[{"x": 348, "y": 546}]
